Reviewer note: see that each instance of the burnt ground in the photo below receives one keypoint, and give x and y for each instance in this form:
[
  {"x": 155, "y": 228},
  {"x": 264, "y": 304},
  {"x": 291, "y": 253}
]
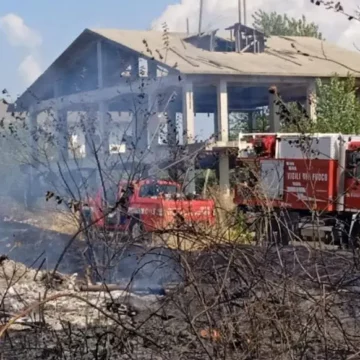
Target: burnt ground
[
  {"x": 234, "y": 302},
  {"x": 41, "y": 249}
]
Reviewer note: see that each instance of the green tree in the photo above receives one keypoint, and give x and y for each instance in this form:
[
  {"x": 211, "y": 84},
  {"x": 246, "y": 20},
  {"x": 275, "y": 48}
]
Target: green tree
[
  {"x": 281, "y": 25},
  {"x": 338, "y": 108}
]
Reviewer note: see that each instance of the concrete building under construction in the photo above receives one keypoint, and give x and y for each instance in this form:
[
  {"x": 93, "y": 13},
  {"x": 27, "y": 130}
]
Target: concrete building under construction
[{"x": 151, "y": 76}]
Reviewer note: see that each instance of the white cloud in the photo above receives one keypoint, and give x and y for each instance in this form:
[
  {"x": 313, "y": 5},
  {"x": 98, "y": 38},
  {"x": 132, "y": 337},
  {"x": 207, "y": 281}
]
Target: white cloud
[
  {"x": 18, "y": 33},
  {"x": 222, "y": 13},
  {"x": 29, "y": 69}
]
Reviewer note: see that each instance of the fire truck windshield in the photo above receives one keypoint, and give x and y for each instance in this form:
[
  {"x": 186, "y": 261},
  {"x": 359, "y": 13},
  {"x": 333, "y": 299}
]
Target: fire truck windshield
[
  {"x": 152, "y": 190},
  {"x": 353, "y": 164}
]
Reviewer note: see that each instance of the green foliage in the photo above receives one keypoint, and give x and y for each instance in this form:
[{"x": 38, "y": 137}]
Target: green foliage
[
  {"x": 238, "y": 123},
  {"x": 297, "y": 121},
  {"x": 262, "y": 122},
  {"x": 338, "y": 108},
  {"x": 238, "y": 231},
  {"x": 281, "y": 25},
  {"x": 200, "y": 180}
]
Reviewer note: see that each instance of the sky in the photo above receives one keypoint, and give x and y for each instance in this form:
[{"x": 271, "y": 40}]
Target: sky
[{"x": 33, "y": 33}]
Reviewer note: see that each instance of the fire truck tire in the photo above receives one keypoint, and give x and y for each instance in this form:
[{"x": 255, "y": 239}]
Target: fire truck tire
[
  {"x": 340, "y": 232},
  {"x": 137, "y": 231},
  {"x": 290, "y": 227},
  {"x": 85, "y": 218},
  {"x": 353, "y": 241}
]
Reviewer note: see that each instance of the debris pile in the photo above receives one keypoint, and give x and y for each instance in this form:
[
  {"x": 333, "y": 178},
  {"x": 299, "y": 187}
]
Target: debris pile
[{"x": 55, "y": 299}]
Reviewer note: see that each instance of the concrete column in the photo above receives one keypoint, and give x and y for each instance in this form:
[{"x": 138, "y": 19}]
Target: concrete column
[
  {"x": 171, "y": 125},
  {"x": 33, "y": 152},
  {"x": 100, "y": 66},
  {"x": 311, "y": 100},
  {"x": 189, "y": 131},
  {"x": 216, "y": 127},
  {"x": 140, "y": 119},
  {"x": 33, "y": 145},
  {"x": 188, "y": 113},
  {"x": 62, "y": 137},
  {"x": 134, "y": 67},
  {"x": 104, "y": 124},
  {"x": 153, "y": 121},
  {"x": 223, "y": 126},
  {"x": 252, "y": 122},
  {"x": 274, "y": 116},
  {"x": 61, "y": 126},
  {"x": 172, "y": 139},
  {"x": 89, "y": 133},
  {"x": 152, "y": 69}
]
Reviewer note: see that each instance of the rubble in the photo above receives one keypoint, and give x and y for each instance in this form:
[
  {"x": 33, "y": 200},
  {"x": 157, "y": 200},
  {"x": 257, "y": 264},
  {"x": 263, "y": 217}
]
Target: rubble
[
  {"x": 47, "y": 304},
  {"x": 21, "y": 287}
]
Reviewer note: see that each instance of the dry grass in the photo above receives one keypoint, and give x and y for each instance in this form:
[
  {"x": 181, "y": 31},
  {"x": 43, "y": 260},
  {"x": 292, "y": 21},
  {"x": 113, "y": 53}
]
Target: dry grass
[
  {"x": 61, "y": 222},
  {"x": 45, "y": 216}
]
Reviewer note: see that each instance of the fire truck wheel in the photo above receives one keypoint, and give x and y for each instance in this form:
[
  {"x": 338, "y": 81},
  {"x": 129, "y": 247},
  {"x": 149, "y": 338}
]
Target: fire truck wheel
[
  {"x": 353, "y": 241},
  {"x": 85, "y": 218},
  {"x": 136, "y": 230}
]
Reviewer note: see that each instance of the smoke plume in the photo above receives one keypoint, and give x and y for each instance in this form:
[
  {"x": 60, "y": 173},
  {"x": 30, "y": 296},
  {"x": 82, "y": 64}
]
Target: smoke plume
[{"x": 221, "y": 13}]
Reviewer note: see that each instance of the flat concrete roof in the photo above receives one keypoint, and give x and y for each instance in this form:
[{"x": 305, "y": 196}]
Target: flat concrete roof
[{"x": 283, "y": 56}]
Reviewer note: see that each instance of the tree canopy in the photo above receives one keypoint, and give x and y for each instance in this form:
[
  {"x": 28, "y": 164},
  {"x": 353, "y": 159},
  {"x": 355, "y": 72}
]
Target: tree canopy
[
  {"x": 282, "y": 25},
  {"x": 337, "y": 109}
]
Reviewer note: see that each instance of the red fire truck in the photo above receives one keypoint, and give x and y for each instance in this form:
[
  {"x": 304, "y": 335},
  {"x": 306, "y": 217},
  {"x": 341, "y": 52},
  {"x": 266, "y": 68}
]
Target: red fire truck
[
  {"x": 145, "y": 206},
  {"x": 297, "y": 176}
]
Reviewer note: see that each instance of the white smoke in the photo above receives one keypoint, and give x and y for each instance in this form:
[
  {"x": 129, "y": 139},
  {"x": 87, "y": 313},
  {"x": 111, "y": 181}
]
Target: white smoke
[
  {"x": 18, "y": 34},
  {"x": 29, "y": 69},
  {"x": 222, "y": 13}
]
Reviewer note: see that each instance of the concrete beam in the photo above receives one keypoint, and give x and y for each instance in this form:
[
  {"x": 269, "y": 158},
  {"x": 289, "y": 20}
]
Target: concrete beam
[
  {"x": 106, "y": 94},
  {"x": 248, "y": 80}
]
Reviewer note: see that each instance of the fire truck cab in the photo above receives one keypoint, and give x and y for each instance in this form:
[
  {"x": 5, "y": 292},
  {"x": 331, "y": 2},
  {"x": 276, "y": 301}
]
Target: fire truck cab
[
  {"x": 297, "y": 175},
  {"x": 145, "y": 206}
]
